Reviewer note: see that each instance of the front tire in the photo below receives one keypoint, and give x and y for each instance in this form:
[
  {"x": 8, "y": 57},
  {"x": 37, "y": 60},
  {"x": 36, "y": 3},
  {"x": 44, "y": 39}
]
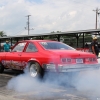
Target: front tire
[
  {"x": 1, "y": 68},
  {"x": 36, "y": 70}
]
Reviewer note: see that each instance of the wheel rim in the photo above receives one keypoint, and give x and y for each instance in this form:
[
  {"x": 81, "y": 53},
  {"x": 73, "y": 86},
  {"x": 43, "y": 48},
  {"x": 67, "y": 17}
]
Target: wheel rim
[{"x": 33, "y": 70}]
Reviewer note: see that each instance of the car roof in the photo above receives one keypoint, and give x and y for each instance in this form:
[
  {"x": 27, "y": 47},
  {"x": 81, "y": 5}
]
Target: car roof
[{"x": 36, "y": 40}]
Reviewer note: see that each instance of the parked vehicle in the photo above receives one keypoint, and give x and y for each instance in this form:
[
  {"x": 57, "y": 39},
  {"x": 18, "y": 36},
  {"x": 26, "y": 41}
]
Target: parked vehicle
[{"x": 45, "y": 55}]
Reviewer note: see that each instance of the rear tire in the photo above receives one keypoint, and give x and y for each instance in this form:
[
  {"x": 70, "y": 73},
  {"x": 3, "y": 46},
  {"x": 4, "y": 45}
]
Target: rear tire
[
  {"x": 36, "y": 70},
  {"x": 1, "y": 68}
]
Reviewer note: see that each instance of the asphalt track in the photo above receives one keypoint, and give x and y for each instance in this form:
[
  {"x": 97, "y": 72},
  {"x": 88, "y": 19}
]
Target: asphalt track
[{"x": 55, "y": 93}]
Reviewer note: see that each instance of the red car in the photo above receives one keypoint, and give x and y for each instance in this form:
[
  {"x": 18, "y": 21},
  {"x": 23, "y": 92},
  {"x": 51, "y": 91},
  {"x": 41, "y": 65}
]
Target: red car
[{"x": 45, "y": 55}]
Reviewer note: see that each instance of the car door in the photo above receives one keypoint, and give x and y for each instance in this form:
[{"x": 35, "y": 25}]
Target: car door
[
  {"x": 5, "y": 59},
  {"x": 31, "y": 52},
  {"x": 16, "y": 55}
]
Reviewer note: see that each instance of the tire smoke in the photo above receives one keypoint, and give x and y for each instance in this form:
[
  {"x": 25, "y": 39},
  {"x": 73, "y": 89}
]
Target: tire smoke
[{"x": 87, "y": 82}]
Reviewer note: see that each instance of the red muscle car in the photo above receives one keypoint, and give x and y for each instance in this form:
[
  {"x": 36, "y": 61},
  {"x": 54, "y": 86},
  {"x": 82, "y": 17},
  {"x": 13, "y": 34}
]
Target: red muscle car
[{"x": 39, "y": 56}]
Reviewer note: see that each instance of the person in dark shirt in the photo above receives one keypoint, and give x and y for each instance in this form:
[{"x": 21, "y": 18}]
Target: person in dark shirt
[
  {"x": 94, "y": 46},
  {"x": 86, "y": 45}
]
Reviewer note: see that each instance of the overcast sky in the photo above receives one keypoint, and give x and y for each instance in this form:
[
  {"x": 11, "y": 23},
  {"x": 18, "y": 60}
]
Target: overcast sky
[{"x": 47, "y": 15}]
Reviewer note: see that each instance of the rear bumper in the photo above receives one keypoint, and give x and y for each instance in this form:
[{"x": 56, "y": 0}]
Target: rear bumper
[{"x": 72, "y": 68}]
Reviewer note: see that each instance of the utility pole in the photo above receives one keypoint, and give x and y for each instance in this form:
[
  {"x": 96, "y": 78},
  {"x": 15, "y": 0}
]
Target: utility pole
[
  {"x": 97, "y": 12},
  {"x": 99, "y": 18},
  {"x": 28, "y": 24}
]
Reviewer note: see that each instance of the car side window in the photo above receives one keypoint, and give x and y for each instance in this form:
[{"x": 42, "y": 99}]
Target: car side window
[
  {"x": 31, "y": 48},
  {"x": 19, "y": 47}
]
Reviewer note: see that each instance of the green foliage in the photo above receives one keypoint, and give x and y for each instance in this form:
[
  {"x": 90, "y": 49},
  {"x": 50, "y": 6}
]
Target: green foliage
[{"x": 2, "y": 34}]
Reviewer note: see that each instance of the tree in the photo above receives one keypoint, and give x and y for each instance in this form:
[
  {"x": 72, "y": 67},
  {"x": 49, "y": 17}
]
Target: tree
[{"x": 2, "y": 34}]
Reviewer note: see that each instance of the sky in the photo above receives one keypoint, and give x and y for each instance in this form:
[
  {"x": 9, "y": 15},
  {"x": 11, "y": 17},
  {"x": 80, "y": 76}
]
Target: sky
[{"x": 47, "y": 16}]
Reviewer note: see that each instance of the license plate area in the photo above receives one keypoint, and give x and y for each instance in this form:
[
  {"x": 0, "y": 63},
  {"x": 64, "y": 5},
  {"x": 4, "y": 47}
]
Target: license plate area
[{"x": 79, "y": 61}]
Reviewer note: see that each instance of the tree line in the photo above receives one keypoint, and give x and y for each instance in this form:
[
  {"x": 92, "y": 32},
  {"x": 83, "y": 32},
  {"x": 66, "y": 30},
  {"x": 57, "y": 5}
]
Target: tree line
[{"x": 2, "y": 34}]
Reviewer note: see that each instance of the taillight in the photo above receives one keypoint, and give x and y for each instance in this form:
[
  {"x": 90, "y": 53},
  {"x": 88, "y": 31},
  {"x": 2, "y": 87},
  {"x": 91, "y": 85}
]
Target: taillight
[
  {"x": 90, "y": 59},
  {"x": 94, "y": 59},
  {"x": 63, "y": 60},
  {"x": 87, "y": 59},
  {"x": 66, "y": 60}
]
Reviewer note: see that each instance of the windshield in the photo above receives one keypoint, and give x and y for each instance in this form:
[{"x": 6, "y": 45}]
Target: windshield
[{"x": 56, "y": 45}]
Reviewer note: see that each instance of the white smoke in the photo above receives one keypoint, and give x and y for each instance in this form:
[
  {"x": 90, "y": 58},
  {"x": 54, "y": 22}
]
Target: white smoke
[
  {"x": 86, "y": 81},
  {"x": 26, "y": 83}
]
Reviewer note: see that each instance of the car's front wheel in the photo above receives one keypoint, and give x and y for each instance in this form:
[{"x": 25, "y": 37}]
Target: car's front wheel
[
  {"x": 1, "y": 68},
  {"x": 36, "y": 70}
]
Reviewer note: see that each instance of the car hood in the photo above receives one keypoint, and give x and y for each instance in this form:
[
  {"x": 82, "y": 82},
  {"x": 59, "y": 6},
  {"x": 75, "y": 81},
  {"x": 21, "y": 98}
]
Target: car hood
[{"x": 71, "y": 53}]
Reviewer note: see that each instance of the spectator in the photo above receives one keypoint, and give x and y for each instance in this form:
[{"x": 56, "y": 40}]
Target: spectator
[
  {"x": 94, "y": 46},
  {"x": 7, "y": 46},
  {"x": 86, "y": 45}
]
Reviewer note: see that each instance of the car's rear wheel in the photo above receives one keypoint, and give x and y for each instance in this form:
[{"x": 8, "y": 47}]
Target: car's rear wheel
[
  {"x": 35, "y": 70},
  {"x": 1, "y": 68}
]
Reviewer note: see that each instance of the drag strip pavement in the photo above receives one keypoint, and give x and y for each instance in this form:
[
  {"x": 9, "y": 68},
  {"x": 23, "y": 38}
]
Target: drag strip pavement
[{"x": 6, "y": 94}]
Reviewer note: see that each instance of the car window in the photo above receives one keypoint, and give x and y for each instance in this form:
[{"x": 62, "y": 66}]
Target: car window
[
  {"x": 19, "y": 47},
  {"x": 31, "y": 48},
  {"x": 56, "y": 45}
]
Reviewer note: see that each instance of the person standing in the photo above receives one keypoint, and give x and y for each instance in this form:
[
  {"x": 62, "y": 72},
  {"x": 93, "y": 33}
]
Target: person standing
[
  {"x": 7, "y": 46},
  {"x": 94, "y": 46},
  {"x": 86, "y": 45}
]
